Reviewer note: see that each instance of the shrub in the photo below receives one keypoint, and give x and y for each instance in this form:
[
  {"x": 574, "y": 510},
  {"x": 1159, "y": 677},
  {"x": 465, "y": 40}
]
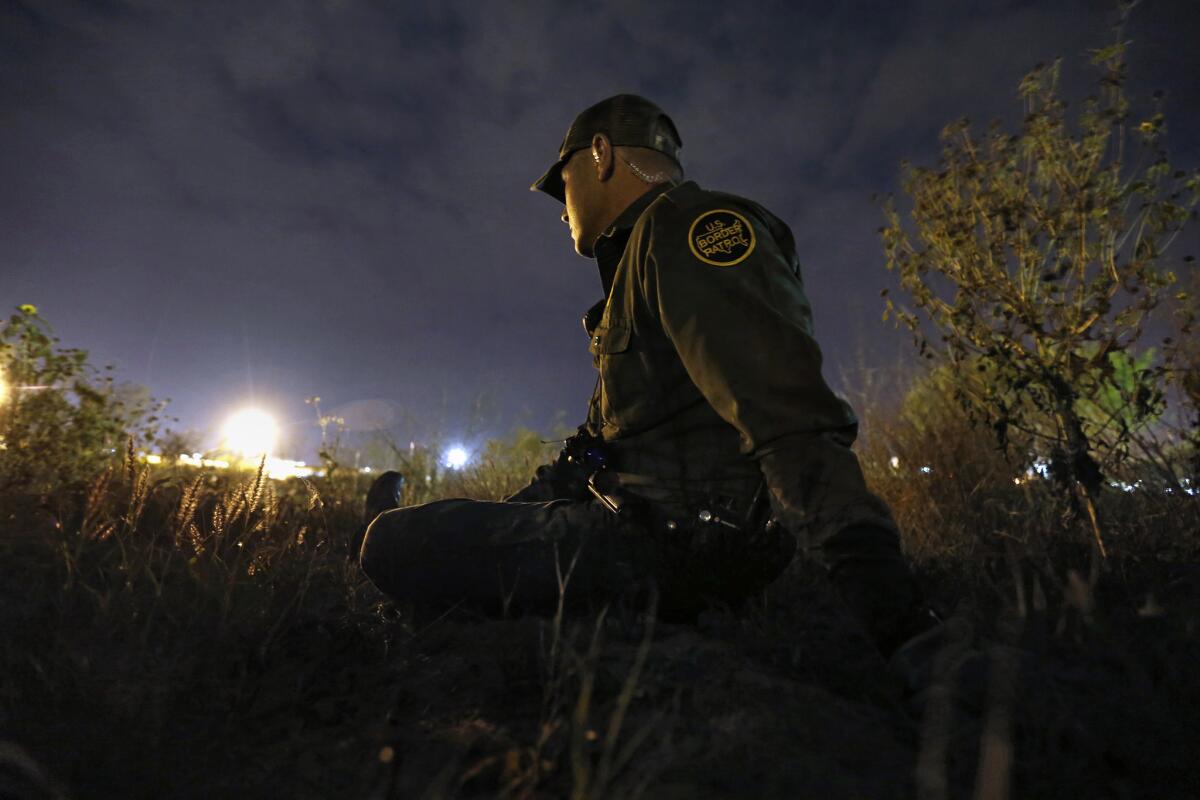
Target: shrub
[
  {"x": 1037, "y": 259},
  {"x": 60, "y": 417}
]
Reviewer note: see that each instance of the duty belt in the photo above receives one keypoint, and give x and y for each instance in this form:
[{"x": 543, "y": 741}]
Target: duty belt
[
  {"x": 607, "y": 486},
  {"x": 588, "y": 453}
]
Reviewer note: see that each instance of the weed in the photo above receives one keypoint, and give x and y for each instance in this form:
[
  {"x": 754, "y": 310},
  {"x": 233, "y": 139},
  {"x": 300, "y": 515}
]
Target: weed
[{"x": 172, "y": 631}]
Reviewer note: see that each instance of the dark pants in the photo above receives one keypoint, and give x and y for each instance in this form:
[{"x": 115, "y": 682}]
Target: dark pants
[{"x": 510, "y": 557}]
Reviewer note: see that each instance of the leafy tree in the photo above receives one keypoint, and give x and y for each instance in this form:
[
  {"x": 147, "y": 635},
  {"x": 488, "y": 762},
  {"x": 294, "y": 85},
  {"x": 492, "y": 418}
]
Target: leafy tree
[
  {"x": 60, "y": 417},
  {"x": 1183, "y": 362},
  {"x": 1036, "y": 259}
]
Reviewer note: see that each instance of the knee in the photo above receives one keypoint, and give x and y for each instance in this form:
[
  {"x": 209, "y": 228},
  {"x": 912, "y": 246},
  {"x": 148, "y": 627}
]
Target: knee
[
  {"x": 399, "y": 557},
  {"x": 372, "y": 556}
]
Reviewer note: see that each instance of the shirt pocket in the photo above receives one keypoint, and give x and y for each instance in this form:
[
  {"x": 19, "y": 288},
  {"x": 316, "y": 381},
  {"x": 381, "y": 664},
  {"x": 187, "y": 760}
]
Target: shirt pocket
[
  {"x": 609, "y": 339},
  {"x": 624, "y": 374}
]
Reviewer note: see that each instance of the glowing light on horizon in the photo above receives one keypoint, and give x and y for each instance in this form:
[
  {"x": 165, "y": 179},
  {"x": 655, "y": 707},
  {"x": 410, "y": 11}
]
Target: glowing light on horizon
[
  {"x": 251, "y": 433},
  {"x": 3, "y": 388},
  {"x": 278, "y": 469},
  {"x": 281, "y": 469},
  {"x": 457, "y": 457},
  {"x": 197, "y": 460}
]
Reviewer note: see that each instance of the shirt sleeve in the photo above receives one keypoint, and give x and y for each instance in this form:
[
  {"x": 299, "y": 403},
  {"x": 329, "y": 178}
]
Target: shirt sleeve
[{"x": 743, "y": 332}]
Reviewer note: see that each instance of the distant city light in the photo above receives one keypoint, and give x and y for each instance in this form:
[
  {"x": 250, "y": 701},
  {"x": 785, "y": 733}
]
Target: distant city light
[
  {"x": 1040, "y": 468},
  {"x": 197, "y": 460},
  {"x": 251, "y": 433},
  {"x": 280, "y": 469},
  {"x": 457, "y": 457}
]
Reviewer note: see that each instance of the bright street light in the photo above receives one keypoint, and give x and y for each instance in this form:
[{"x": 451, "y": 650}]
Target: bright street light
[
  {"x": 457, "y": 457},
  {"x": 251, "y": 433}
]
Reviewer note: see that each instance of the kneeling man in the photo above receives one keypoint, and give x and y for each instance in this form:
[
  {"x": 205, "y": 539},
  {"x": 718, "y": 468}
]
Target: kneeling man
[{"x": 712, "y": 446}]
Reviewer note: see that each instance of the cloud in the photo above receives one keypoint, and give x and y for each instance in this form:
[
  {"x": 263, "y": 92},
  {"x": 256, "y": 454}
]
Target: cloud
[
  {"x": 949, "y": 61},
  {"x": 346, "y": 182}
]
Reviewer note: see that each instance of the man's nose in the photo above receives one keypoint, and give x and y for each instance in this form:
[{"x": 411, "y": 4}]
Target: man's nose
[{"x": 564, "y": 217}]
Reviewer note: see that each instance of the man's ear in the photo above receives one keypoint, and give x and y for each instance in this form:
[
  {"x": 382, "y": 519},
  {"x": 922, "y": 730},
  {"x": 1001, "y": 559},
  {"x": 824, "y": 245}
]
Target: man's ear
[{"x": 602, "y": 156}]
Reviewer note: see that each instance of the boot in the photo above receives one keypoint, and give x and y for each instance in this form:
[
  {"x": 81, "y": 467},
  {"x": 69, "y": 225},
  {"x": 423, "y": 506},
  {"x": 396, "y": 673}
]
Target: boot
[
  {"x": 870, "y": 575},
  {"x": 386, "y": 493}
]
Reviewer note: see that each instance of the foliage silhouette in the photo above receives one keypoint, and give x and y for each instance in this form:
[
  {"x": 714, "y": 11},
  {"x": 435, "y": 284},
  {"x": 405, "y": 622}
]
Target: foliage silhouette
[{"x": 1035, "y": 261}]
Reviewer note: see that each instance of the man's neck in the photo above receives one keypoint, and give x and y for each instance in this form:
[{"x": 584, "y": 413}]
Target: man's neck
[
  {"x": 633, "y": 204},
  {"x": 610, "y": 246}
]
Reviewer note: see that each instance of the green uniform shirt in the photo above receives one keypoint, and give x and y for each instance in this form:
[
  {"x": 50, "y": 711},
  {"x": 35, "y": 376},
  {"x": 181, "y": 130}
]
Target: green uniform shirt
[{"x": 710, "y": 378}]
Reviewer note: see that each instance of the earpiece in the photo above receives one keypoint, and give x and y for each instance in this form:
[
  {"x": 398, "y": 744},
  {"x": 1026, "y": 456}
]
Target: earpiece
[{"x": 595, "y": 155}]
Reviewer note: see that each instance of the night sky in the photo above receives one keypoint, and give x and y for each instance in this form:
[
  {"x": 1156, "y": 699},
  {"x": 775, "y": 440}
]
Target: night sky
[{"x": 256, "y": 202}]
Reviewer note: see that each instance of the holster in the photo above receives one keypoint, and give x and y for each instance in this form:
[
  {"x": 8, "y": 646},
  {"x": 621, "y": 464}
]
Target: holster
[{"x": 716, "y": 549}]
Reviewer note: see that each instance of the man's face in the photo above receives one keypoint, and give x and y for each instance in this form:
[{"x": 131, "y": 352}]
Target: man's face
[{"x": 580, "y": 188}]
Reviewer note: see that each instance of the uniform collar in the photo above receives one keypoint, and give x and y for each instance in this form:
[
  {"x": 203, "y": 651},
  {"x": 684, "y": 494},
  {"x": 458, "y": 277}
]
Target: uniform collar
[
  {"x": 610, "y": 247},
  {"x": 627, "y": 218}
]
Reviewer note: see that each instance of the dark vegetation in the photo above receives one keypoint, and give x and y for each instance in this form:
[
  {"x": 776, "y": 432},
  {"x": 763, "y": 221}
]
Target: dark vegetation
[{"x": 167, "y": 631}]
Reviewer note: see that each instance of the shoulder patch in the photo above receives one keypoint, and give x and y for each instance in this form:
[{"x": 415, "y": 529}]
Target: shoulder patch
[{"x": 721, "y": 237}]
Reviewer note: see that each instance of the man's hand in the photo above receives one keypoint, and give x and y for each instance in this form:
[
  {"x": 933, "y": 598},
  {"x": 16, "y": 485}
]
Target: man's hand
[
  {"x": 871, "y": 577},
  {"x": 565, "y": 478}
]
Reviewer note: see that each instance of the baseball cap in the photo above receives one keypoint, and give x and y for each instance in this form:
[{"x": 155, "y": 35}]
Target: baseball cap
[{"x": 626, "y": 119}]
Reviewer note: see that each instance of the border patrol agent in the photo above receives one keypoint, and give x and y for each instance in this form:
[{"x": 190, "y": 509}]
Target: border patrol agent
[{"x": 712, "y": 446}]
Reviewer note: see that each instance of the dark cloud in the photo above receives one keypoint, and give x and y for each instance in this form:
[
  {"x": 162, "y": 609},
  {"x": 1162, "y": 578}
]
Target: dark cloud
[{"x": 312, "y": 197}]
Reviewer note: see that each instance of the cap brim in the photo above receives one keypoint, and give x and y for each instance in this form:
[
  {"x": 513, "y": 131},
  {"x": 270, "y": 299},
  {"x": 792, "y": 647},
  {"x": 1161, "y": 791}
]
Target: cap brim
[{"x": 552, "y": 183}]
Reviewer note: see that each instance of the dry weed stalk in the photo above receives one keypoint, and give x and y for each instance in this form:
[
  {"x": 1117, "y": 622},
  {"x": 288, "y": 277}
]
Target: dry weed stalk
[
  {"x": 94, "y": 506},
  {"x": 185, "y": 512},
  {"x": 566, "y": 672},
  {"x": 139, "y": 492}
]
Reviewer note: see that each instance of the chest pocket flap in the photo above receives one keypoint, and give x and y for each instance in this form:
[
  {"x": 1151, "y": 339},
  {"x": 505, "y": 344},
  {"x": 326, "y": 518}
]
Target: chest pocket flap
[{"x": 610, "y": 338}]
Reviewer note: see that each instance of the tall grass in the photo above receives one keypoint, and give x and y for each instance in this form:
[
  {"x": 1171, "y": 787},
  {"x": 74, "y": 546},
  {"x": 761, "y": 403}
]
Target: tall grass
[
  {"x": 1001, "y": 545},
  {"x": 175, "y": 632},
  {"x": 157, "y": 618}
]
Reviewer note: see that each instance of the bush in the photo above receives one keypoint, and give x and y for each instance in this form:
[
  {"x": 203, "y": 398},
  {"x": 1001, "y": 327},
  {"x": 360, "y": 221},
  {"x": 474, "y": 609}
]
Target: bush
[
  {"x": 61, "y": 418},
  {"x": 1038, "y": 259}
]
